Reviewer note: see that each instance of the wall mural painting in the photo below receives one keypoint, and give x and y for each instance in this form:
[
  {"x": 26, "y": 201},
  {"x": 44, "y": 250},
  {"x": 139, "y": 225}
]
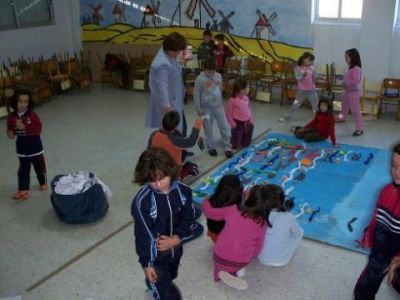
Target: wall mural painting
[{"x": 273, "y": 30}]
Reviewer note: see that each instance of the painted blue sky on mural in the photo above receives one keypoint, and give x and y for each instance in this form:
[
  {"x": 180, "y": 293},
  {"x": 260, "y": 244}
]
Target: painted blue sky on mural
[{"x": 292, "y": 22}]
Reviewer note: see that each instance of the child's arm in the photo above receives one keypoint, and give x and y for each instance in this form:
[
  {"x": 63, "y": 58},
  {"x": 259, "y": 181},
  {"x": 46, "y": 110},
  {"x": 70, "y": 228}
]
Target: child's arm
[
  {"x": 298, "y": 73},
  {"x": 229, "y": 113},
  {"x": 10, "y": 127},
  {"x": 145, "y": 242},
  {"x": 295, "y": 230},
  {"x": 331, "y": 129},
  {"x": 191, "y": 140},
  {"x": 197, "y": 95},
  {"x": 217, "y": 214},
  {"x": 34, "y": 125},
  {"x": 228, "y": 51}
]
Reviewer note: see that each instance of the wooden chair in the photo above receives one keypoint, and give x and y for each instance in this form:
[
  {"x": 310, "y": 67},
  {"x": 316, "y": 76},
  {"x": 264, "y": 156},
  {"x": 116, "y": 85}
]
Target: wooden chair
[
  {"x": 139, "y": 73},
  {"x": 7, "y": 89},
  {"x": 370, "y": 98},
  {"x": 58, "y": 81},
  {"x": 390, "y": 95},
  {"x": 274, "y": 75},
  {"x": 79, "y": 75}
]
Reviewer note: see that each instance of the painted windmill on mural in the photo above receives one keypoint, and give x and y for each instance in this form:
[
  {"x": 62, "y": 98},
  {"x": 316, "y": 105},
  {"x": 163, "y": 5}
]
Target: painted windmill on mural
[
  {"x": 262, "y": 23},
  {"x": 225, "y": 25},
  {"x": 96, "y": 13},
  {"x": 151, "y": 14},
  {"x": 191, "y": 8}
]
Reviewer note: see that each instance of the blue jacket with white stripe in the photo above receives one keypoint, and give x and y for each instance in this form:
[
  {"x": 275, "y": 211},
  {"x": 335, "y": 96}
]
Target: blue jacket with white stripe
[{"x": 157, "y": 214}]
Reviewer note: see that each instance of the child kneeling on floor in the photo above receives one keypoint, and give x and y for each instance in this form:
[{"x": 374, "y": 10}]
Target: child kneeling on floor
[
  {"x": 242, "y": 237},
  {"x": 284, "y": 236},
  {"x": 163, "y": 215},
  {"x": 321, "y": 127},
  {"x": 229, "y": 192}
]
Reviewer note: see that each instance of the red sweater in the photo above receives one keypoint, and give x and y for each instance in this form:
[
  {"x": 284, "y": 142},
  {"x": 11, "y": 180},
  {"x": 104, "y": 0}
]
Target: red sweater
[
  {"x": 324, "y": 124},
  {"x": 221, "y": 54},
  {"x": 387, "y": 212}
]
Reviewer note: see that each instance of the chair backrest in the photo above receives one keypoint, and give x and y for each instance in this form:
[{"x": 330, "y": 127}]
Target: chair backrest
[
  {"x": 390, "y": 87},
  {"x": 370, "y": 88},
  {"x": 255, "y": 66},
  {"x": 233, "y": 64}
]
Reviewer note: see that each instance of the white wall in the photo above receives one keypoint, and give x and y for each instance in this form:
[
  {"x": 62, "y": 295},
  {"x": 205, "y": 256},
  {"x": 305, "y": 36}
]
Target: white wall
[
  {"x": 375, "y": 38},
  {"x": 64, "y": 35}
]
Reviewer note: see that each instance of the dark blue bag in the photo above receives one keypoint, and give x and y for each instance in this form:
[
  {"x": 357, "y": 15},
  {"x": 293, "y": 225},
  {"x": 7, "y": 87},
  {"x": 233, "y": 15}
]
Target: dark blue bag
[{"x": 84, "y": 207}]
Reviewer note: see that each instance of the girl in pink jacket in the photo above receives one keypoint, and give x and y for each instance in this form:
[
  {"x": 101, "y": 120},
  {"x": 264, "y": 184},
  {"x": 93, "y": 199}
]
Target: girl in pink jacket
[
  {"x": 243, "y": 235},
  {"x": 239, "y": 115},
  {"x": 351, "y": 96}
]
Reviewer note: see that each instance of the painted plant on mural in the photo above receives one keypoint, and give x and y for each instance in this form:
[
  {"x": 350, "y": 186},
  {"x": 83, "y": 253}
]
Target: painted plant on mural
[{"x": 283, "y": 22}]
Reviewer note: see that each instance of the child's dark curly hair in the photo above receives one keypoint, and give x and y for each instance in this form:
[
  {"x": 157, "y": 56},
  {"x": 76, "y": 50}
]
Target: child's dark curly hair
[
  {"x": 155, "y": 164},
  {"x": 17, "y": 94},
  {"x": 256, "y": 206}
]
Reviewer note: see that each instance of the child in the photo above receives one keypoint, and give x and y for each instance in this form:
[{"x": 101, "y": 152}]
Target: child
[
  {"x": 221, "y": 52},
  {"x": 382, "y": 235},
  {"x": 305, "y": 75},
  {"x": 163, "y": 213},
  {"x": 242, "y": 236},
  {"x": 172, "y": 141},
  {"x": 24, "y": 123},
  {"x": 206, "y": 48},
  {"x": 239, "y": 115},
  {"x": 393, "y": 273},
  {"x": 229, "y": 192},
  {"x": 351, "y": 96},
  {"x": 207, "y": 97},
  {"x": 321, "y": 127},
  {"x": 284, "y": 236}
]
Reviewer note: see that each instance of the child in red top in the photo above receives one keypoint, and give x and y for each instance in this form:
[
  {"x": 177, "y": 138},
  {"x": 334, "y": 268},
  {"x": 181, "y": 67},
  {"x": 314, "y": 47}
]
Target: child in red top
[
  {"x": 24, "y": 123},
  {"x": 221, "y": 52},
  {"x": 382, "y": 235},
  {"x": 321, "y": 127}
]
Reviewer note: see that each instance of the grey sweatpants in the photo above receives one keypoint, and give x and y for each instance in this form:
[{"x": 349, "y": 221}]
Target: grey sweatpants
[
  {"x": 312, "y": 97},
  {"x": 218, "y": 114}
]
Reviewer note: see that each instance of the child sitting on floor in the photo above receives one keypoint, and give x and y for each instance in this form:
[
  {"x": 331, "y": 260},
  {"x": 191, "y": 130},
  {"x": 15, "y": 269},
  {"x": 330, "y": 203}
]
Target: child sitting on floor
[
  {"x": 242, "y": 237},
  {"x": 285, "y": 234},
  {"x": 172, "y": 141},
  {"x": 229, "y": 192},
  {"x": 321, "y": 127}
]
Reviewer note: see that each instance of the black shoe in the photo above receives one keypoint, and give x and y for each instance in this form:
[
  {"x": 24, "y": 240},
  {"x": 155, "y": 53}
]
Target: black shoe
[
  {"x": 213, "y": 152},
  {"x": 228, "y": 154},
  {"x": 189, "y": 153},
  {"x": 358, "y": 133}
]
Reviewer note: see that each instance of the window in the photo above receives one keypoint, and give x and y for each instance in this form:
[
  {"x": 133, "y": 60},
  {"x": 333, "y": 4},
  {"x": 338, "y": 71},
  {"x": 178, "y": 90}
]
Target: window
[
  {"x": 25, "y": 13},
  {"x": 338, "y": 10}
]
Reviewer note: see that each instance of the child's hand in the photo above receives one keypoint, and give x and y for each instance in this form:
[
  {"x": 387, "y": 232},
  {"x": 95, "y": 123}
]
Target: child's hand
[
  {"x": 10, "y": 134},
  {"x": 167, "y": 242},
  {"x": 336, "y": 145},
  {"x": 167, "y": 109},
  {"x": 198, "y": 123},
  {"x": 150, "y": 274},
  {"x": 391, "y": 270},
  {"x": 20, "y": 125}
]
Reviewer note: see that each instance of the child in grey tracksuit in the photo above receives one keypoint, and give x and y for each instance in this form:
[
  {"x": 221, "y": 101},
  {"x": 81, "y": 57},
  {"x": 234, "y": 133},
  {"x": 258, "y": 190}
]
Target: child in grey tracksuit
[{"x": 208, "y": 102}]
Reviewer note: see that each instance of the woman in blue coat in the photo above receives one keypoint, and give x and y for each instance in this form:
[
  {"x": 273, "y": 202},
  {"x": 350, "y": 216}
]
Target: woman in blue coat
[{"x": 167, "y": 89}]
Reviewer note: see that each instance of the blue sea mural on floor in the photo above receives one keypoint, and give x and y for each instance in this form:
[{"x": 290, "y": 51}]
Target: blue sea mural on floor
[{"x": 334, "y": 189}]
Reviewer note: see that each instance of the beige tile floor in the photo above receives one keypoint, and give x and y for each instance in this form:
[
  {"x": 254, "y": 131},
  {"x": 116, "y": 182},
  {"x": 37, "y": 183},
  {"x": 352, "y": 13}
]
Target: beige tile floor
[{"x": 103, "y": 131}]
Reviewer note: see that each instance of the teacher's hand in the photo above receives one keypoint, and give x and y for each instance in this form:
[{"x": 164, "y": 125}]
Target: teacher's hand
[{"x": 167, "y": 109}]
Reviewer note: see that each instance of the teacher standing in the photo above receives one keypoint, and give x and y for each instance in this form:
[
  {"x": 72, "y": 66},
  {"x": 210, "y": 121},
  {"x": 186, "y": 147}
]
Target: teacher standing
[{"x": 167, "y": 89}]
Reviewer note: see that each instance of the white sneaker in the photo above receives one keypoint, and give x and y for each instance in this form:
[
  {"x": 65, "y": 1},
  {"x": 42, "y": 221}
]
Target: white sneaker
[
  {"x": 241, "y": 273},
  {"x": 282, "y": 119},
  {"x": 233, "y": 281}
]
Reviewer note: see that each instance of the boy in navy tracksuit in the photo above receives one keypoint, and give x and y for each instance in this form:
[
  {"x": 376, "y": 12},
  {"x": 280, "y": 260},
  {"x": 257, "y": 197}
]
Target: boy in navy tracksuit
[
  {"x": 25, "y": 124},
  {"x": 163, "y": 214},
  {"x": 382, "y": 235}
]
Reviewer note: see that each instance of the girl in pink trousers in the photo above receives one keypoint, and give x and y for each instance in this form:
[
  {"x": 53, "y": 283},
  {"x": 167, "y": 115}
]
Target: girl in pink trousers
[
  {"x": 351, "y": 96},
  {"x": 243, "y": 235}
]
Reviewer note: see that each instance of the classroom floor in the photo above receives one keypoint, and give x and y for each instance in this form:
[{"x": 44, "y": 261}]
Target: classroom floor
[{"x": 103, "y": 131}]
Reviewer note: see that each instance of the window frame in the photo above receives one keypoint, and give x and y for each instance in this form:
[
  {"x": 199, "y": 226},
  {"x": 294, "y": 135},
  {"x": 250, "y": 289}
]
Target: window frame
[
  {"x": 17, "y": 25},
  {"x": 339, "y": 20}
]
